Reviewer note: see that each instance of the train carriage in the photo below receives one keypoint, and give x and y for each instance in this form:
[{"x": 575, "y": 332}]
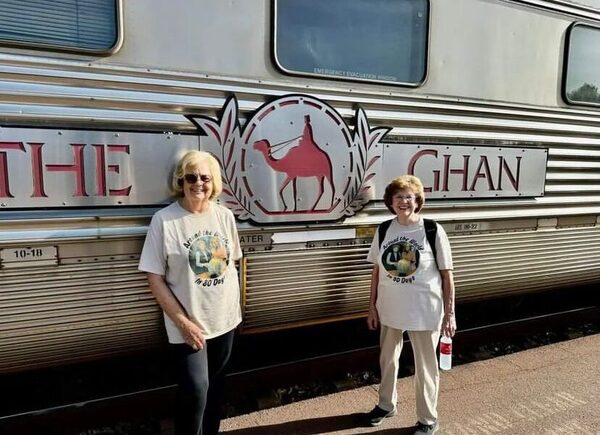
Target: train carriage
[{"x": 311, "y": 107}]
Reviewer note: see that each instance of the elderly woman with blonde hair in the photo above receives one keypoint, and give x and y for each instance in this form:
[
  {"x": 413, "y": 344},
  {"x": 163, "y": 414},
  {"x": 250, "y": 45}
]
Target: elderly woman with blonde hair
[{"x": 201, "y": 308}]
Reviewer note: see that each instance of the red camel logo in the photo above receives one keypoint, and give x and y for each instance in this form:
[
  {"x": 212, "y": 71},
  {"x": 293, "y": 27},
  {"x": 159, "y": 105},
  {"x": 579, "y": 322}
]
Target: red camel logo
[
  {"x": 293, "y": 140},
  {"x": 304, "y": 159}
]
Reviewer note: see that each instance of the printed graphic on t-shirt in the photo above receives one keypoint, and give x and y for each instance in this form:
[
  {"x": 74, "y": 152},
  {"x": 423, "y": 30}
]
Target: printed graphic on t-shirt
[
  {"x": 400, "y": 258},
  {"x": 208, "y": 256}
]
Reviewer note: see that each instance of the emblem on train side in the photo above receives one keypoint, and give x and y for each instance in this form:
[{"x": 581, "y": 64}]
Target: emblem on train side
[{"x": 295, "y": 160}]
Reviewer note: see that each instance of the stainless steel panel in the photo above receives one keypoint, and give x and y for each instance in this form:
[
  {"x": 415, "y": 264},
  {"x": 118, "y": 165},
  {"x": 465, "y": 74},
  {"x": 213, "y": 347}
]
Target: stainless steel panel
[
  {"x": 151, "y": 73},
  {"x": 96, "y": 303},
  {"x": 506, "y": 263},
  {"x": 22, "y": 227},
  {"x": 290, "y": 288},
  {"x": 93, "y": 303},
  {"x": 287, "y": 288},
  {"x": 55, "y": 168},
  {"x": 451, "y": 171},
  {"x": 579, "y": 8}
]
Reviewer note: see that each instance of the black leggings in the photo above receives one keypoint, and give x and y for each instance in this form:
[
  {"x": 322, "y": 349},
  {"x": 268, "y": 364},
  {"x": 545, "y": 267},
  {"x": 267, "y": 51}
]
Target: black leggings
[{"x": 200, "y": 377}]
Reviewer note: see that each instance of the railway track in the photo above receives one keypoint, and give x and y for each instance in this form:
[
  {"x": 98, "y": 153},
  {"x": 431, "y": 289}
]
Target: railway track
[{"x": 270, "y": 380}]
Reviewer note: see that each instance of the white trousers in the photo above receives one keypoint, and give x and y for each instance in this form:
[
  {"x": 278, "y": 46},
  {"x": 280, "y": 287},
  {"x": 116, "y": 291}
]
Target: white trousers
[{"x": 427, "y": 375}]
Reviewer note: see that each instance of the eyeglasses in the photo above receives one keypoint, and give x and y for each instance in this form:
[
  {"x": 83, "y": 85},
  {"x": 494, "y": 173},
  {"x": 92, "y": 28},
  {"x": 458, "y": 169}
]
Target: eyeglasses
[
  {"x": 193, "y": 178},
  {"x": 405, "y": 197}
]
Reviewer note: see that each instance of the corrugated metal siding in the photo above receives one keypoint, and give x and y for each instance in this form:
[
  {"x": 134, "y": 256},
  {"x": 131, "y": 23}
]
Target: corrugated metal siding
[
  {"x": 85, "y": 307},
  {"x": 101, "y": 305},
  {"x": 309, "y": 286},
  {"x": 73, "y": 312},
  {"x": 573, "y": 171},
  {"x": 295, "y": 287},
  {"x": 497, "y": 264},
  {"x": 95, "y": 303}
]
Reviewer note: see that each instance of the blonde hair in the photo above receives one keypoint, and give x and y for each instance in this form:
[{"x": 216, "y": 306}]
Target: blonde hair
[
  {"x": 191, "y": 160},
  {"x": 409, "y": 182}
]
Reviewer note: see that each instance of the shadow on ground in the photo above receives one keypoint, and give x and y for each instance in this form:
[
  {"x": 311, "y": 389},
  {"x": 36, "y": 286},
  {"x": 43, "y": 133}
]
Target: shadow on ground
[{"x": 314, "y": 426}]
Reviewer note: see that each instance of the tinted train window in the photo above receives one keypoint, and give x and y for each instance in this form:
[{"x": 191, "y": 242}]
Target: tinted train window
[
  {"x": 582, "y": 84},
  {"x": 87, "y": 25},
  {"x": 374, "y": 40}
]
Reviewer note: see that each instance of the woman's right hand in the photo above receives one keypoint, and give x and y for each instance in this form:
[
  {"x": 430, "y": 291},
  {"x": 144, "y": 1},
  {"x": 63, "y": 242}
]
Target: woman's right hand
[
  {"x": 373, "y": 318},
  {"x": 192, "y": 334}
]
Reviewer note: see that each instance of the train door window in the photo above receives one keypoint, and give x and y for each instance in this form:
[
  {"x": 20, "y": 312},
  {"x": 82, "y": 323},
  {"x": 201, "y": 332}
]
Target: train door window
[
  {"x": 582, "y": 72},
  {"x": 367, "y": 40},
  {"x": 71, "y": 25}
]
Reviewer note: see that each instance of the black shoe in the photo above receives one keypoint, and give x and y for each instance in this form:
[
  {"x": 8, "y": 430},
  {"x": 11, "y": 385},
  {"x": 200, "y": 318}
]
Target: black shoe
[
  {"x": 426, "y": 429},
  {"x": 376, "y": 415}
]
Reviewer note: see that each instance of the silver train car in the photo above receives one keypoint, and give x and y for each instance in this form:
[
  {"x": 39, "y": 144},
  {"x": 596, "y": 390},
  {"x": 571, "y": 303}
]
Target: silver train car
[{"x": 311, "y": 107}]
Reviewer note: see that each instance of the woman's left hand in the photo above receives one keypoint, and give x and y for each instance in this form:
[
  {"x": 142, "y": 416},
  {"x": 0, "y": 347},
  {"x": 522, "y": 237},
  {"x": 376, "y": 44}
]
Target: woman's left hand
[
  {"x": 449, "y": 325},
  {"x": 192, "y": 334}
]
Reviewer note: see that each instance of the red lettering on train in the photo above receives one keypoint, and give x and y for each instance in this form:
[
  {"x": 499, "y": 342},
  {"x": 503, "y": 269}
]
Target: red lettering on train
[
  {"x": 4, "y": 187},
  {"x": 37, "y": 173},
  {"x": 116, "y": 169},
  {"x": 483, "y": 164},
  {"x": 77, "y": 167},
  {"x": 503, "y": 167},
  {"x": 428, "y": 161},
  {"x": 464, "y": 172}
]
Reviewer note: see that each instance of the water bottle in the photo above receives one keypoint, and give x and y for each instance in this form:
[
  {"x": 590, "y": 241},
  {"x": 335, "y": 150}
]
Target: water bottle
[{"x": 445, "y": 353}]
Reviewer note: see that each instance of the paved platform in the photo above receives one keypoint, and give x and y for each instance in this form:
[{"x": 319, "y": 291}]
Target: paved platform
[{"x": 549, "y": 390}]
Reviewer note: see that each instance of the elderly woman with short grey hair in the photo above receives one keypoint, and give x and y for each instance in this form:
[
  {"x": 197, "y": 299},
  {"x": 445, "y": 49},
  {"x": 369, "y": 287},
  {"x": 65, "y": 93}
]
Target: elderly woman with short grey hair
[{"x": 412, "y": 290}]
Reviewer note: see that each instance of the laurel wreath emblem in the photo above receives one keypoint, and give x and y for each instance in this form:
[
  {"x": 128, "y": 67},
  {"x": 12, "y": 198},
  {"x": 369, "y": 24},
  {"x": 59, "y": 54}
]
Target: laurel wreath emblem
[
  {"x": 227, "y": 133},
  {"x": 366, "y": 142}
]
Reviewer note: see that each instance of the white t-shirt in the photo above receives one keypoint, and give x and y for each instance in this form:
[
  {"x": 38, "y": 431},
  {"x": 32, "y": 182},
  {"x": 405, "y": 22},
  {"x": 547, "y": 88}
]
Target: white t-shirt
[
  {"x": 409, "y": 292},
  {"x": 195, "y": 253}
]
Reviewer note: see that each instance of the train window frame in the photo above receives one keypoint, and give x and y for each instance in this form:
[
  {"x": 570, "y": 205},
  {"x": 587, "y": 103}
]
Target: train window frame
[
  {"x": 111, "y": 49},
  {"x": 567, "y": 68},
  {"x": 295, "y": 72},
  {"x": 584, "y": 4}
]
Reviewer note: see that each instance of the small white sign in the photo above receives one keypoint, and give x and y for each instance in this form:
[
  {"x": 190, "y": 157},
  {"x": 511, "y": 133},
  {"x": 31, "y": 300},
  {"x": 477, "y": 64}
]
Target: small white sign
[
  {"x": 466, "y": 227},
  {"x": 24, "y": 256}
]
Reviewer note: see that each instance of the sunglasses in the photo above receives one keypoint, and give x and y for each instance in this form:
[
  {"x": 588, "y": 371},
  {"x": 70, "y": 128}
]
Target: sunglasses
[{"x": 193, "y": 178}]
